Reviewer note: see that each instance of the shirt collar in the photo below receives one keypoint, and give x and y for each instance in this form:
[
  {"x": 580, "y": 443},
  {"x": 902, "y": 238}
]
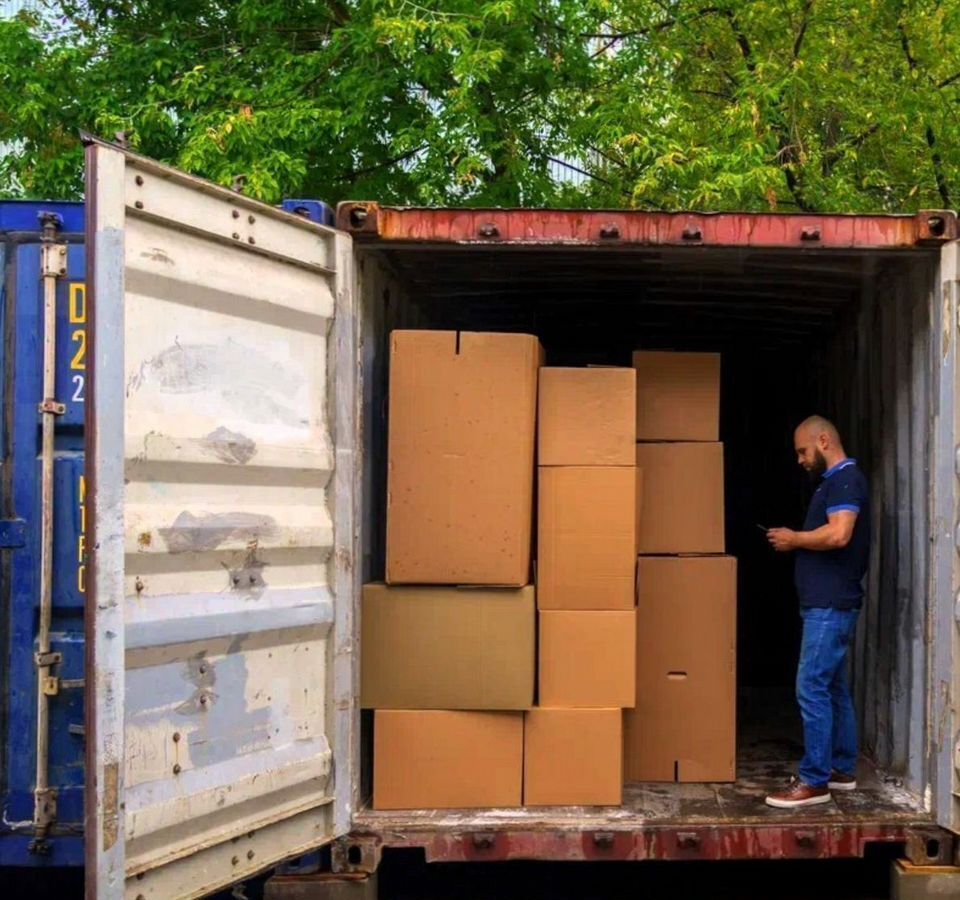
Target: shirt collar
[{"x": 840, "y": 465}]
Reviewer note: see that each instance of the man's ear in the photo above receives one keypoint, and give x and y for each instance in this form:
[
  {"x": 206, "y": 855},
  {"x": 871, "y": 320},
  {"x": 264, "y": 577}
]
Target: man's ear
[{"x": 823, "y": 441}]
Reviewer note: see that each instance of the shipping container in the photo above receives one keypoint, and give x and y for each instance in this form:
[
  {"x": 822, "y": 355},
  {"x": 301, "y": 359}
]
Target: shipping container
[
  {"x": 59, "y": 840},
  {"x": 235, "y": 496}
]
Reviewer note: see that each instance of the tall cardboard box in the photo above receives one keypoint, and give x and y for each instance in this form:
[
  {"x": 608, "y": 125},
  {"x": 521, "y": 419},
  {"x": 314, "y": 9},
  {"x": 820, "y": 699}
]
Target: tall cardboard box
[
  {"x": 437, "y": 759},
  {"x": 447, "y": 648},
  {"x": 461, "y": 457},
  {"x": 587, "y": 417},
  {"x": 587, "y": 537},
  {"x": 682, "y": 509},
  {"x": 573, "y": 757},
  {"x": 683, "y": 727},
  {"x": 678, "y": 396},
  {"x": 587, "y": 658}
]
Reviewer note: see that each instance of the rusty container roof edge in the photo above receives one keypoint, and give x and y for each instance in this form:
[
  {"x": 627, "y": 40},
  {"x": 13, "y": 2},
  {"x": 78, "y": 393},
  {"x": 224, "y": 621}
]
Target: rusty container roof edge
[{"x": 369, "y": 222}]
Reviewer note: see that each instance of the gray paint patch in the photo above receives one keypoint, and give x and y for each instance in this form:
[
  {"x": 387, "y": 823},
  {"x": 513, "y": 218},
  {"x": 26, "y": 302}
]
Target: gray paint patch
[
  {"x": 221, "y": 728},
  {"x": 242, "y": 377},
  {"x": 207, "y": 531},
  {"x": 247, "y": 578},
  {"x": 201, "y": 673},
  {"x": 157, "y": 254},
  {"x": 229, "y": 446}
]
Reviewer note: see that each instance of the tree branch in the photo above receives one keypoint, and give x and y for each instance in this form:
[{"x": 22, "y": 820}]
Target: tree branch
[
  {"x": 639, "y": 32},
  {"x": 350, "y": 177},
  {"x": 948, "y": 81},
  {"x": 931, "y": 138},
  {"x": 746, "y": 51},
  {"x": 798, "y": 43},
  {"x": 937, "y": 161},
  {"x": 785, "y": 152}
]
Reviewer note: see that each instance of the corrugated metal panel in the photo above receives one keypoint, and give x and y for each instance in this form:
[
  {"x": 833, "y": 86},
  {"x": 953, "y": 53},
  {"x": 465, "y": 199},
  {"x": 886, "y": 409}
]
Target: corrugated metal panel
[
  {"x": 879, "y": 377},
  {"x": 222, "y": 457}
]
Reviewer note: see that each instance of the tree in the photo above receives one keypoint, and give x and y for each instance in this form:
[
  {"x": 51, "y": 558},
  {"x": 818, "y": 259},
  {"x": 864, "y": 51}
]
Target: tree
[
  {"x": 792, "y": 104},
  {"x": 800, "y": 104}
]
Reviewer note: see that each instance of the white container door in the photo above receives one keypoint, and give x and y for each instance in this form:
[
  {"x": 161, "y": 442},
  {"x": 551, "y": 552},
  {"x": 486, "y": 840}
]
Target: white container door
[{"x": 219, "y": 511}]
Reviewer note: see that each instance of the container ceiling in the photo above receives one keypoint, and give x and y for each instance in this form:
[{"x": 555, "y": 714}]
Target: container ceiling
[{"x": 597, "y": 298}]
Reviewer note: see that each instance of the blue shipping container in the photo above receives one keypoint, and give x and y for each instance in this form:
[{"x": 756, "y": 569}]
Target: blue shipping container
[{"x": 21, "y": 384}]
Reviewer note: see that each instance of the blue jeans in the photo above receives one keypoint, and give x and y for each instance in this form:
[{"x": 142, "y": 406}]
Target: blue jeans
[{"x": 829, "y": 720}]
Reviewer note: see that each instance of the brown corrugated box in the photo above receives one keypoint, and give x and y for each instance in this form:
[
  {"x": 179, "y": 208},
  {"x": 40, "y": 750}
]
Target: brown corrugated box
[
  {"x": 683, "y": 727},
  {"x": 587, "y": 417},
  {"x": 573, "y": 757},
  {"x": 447, "y": 648},
  {"x": 587, "y": 658},
  {"x": 461, "y": 457},
  {"x": 682, "y": 509},
  {"x": 587, "y": 537},
  {"x": 678, "y": 396},
  {"x": 437, "y": 759}
]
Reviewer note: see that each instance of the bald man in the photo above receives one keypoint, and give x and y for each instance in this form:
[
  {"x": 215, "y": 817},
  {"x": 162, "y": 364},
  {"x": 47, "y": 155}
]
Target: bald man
[{"x": 831, "y": 560}]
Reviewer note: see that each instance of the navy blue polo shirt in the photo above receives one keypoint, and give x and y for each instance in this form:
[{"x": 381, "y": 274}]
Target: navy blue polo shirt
[{"x": 834, "y": 577}]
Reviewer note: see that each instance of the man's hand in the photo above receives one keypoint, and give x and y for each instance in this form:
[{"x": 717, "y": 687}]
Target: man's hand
[{"x": 782, "y": 539}]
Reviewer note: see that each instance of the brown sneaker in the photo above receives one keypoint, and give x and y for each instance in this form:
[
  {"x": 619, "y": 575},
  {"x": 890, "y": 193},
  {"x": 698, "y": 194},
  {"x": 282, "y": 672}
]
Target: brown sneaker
[
  {"x": 840, "y": 782},
  {"x": 799, "y": 794}
]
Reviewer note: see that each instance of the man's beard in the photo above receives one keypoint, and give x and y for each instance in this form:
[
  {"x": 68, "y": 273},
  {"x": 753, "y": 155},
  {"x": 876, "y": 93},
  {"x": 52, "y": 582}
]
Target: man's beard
[{"x": 819, "y": 465}]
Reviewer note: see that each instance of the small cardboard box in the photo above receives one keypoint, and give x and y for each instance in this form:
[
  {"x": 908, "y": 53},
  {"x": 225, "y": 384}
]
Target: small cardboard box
[
  {"x": 461, "y": 457},
  {"x": 678, "y": 396},
  {"x": 682, "y": 509},
  {"x": 447, "y": 648},
  {"x": 588, "y": 417},
  {"x": 587, "y": 658},
  {"x": 439, "y": 759},
  {"x": 573, "y": 757},
  {"x": 587, "y": 537},
  {"x": 683, "y": 727}
]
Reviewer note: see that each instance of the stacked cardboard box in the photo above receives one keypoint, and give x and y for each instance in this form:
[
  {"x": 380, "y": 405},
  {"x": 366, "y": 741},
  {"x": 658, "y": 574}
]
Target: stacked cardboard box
[
  {"x": 449, "y": 643},
  {"x": 683, "y": 727},
  {"x": 586, "y": 590}
]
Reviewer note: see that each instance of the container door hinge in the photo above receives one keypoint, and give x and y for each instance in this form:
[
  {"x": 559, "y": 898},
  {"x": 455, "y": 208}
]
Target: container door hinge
[
  {"x": 53, "y": 260},
  {"x": 45, "y": 807},
  {"x": 52, "y": 406},
  {"x": 13, "y": 533},
  {"x": 44, "y": 660}
]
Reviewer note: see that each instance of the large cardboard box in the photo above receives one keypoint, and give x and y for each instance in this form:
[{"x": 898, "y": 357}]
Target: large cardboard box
[
  {"x": 587, "y": 658},
  {"x": 678, "y": 396},
  {"x": 447, "y": 648},
  {"x": 587, "y": 417},
  {"x": 682, "y": 509},
  {"x": 438, "y": 759},
  {"x": 587, "y": 537},
  {"x": 683, "y": 727},
  {"x": 573, "y": 757},
  {"x": 461, "y": 457}
]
